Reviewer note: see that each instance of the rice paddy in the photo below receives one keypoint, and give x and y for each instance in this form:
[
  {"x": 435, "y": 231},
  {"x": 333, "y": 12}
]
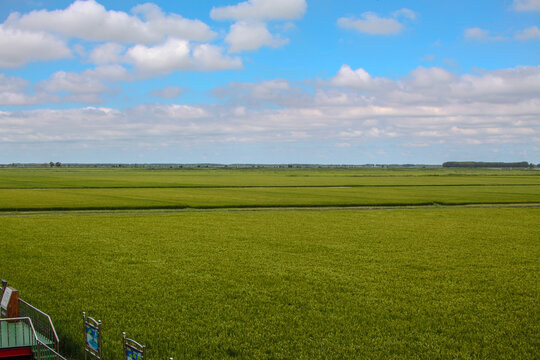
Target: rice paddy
[{"x": 429, "y": 282}]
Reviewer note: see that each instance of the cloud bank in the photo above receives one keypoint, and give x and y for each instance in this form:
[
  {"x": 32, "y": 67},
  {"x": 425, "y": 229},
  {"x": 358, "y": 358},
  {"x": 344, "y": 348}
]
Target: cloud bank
[
  {"x": 90, "y": 20},
  {"x": 428, "y": 107}
]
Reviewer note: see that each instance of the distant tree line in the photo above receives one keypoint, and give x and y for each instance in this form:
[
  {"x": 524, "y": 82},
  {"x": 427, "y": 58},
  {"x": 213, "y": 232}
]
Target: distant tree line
[{"x": 481, "y": 164}]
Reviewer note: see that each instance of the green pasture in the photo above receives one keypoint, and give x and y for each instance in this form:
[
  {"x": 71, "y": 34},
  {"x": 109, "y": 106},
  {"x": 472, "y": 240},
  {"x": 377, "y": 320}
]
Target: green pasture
[
  {"x": 338, "y": 284},
  {"x": 135, "y": 198},
  {"x": 36, "y": 178},
  {"x": 437, "y": 282},
  {"x": 56, "y": 189}
]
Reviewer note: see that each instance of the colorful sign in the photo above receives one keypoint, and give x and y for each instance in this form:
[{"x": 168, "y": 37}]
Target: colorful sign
[
  {"x": 133, "y": 354},
  {"x": 92, "y": 338},
  {"x": 132, "y": 349}
]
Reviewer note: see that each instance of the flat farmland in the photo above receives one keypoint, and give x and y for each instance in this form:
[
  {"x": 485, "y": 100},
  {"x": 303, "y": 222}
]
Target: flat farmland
[
  {"x": 59, "y": 189},
  {"x": 285, "y": 283}
]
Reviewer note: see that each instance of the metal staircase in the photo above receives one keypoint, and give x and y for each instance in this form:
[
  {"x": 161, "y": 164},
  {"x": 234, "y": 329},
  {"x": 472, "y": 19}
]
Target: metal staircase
[
  {"x": 19, "y": 339},
  {"x": 29, "y": 336}
]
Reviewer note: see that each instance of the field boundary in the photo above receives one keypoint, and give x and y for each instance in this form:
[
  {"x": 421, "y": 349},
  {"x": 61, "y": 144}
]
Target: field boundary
[
  {"x": 164, "y": 211},
  {"x": 257, "y": 186}
]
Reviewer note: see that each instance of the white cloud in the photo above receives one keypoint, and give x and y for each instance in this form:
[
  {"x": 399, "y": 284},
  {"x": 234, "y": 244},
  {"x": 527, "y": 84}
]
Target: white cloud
[
  {"x": 107, "y": 53},
  {"x": 250, "y": 31},
  {"x": 481, "y": 34},
  {"x": 176, "y": 54},
  {"x": 89, "y": 86},
  {"x": 430, "y": 106},
  {"x": 19, "y": 47},
  {"x": 261, "y": 10},
  {"x": 358, "y": 78},
  {"x": 506, "y": 85},
  {"x": 62, "y": 81},
  {"x": 16, "y": 91},
  {"x": 75, "y": 87},
  {"x": 111, "y": 72},
  {"x": 245, "y": 36},
  {"x": 210, "y": 58},
  {"x": 527, "y": 34},
  {"x": 168, "y": 92},
  {"x": 526, "y": 5},
  {"x": 90, "y": 20},
  {"x": 172, "y": 55},
  {"x": 429, "y": 77},
  {"x": 371, "y": 23}
]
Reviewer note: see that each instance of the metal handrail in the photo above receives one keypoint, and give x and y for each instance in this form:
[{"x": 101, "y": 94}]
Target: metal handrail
[
  {"x": 39, "y": 342},
  {"x": 49, "y": 320}
]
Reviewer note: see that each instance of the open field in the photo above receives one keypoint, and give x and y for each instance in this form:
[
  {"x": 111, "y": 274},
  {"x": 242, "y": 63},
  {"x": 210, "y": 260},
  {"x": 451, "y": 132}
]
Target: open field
[
  {"x": 20, "y": 178},
  {"x": 137, "y": 198},
  {"x": 446, "y": 282},
  {"x": 57, "y": 189},
  {"x": 460, "y": 283}
]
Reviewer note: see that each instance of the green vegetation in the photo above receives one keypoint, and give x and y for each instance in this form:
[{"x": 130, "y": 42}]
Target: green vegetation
[
  {"x": 137, "y": 178},
  {"x": 55, "y": 189},
  {"x": 430, "y": 283},
  {"x": 57, "y": 199},
  {"x": 433, "y": 282}
]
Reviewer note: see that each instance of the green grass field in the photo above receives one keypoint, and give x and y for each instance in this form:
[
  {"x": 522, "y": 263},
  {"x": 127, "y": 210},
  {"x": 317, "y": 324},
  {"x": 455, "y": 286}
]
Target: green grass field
[
  {"x": 57, "y": 189},
  {"x": 433, "y": 282}
]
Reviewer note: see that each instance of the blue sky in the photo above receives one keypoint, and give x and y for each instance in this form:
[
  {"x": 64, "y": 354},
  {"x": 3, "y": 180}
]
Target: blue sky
[{"x": 269, "y": 81}]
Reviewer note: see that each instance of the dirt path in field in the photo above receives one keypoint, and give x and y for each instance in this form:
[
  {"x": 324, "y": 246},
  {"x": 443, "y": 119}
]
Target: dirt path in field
[{"x": 257, "y": 209}]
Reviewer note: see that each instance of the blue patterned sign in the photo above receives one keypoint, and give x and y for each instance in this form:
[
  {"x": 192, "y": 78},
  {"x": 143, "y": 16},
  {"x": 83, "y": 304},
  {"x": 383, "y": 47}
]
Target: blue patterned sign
[
  {"x": 132, "y": 354},
  {"x": 92, "y": 338}
]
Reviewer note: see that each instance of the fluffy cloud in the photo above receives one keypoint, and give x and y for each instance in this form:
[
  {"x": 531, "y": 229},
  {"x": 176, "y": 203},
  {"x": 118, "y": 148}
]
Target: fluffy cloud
[
  {"x": 173, "y": 55},
  {"x": 74, "y": 83},
  {"x": 89, "y": 86},
  {"x": 527, "y": 34},
  {"x": 359, "y": 79},
  {"x": 436, "y": 85},
  {"x": 261, "y": 10},
  {"x": 429, "y": 77},
  {"x": 176, "y": 54},
  {"x": 19, "y": 47},
  {"x": 500, "y": 86},
  {"x": 371, "y": 23},
  {"x": 250, "y": 31},
  {"x": 526, "y": 5},
  {"x": 481, "y": 34},
  {"x": 16, "y": 91},
  {"x": 108, "y": 53},
  {"x": 91, "y": 21},
  {"x": 245, "y": 36},
  {"x": 210, "y": 57},
  {"x": 429, "y": 108}
]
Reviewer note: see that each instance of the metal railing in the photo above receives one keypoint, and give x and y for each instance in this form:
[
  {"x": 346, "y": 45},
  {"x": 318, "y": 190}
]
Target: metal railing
[
  {"x": 41, "y": 321},
  {"x": 13, "y": 329}
]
